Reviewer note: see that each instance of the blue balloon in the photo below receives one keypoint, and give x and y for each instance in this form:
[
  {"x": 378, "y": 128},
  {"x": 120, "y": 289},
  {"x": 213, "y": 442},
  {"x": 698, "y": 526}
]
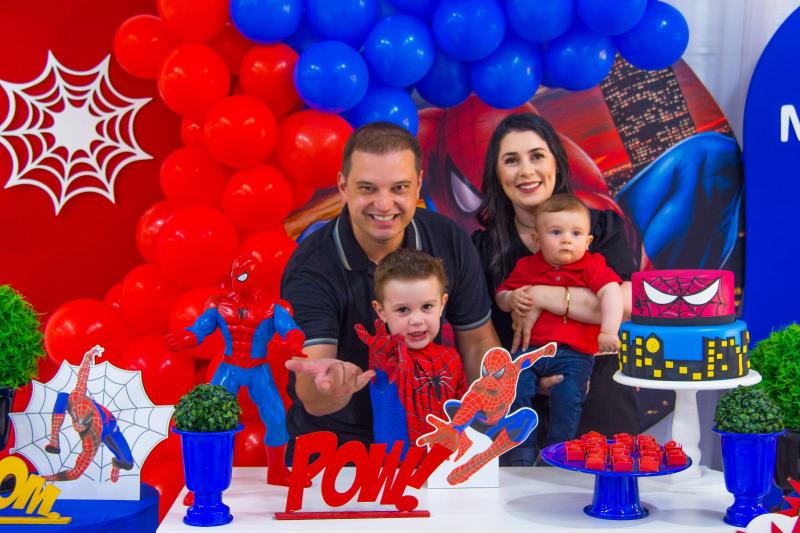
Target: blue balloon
[
  {"x": 447, "y": 82},
  {"x": 266, "y": 21},
  {"x": 419, "y": 8},
  {"x": 579, "y": 59},
  {"x": 386, "y": 9},
  {"x": 331, "y": 76},
  {"x": 303, "y": 38},
  {"x": 540, "y": 21},
  {"x": 604, "y": 19},
  {"x": 659, "y": 39},
  {"x": 510, "y": 76},
  {"x": 399, "y": 50},
  {"x": 348, "y": 21},
  {"x": 388, "y": 104},
  {"x": 468, "y": 30}
]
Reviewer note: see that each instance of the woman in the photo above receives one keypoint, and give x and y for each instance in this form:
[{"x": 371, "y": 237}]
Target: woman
[{"x": 526, "y": 163}]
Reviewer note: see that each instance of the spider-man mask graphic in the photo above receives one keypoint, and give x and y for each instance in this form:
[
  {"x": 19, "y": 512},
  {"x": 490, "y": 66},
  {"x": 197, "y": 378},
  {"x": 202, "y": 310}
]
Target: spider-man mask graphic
[
  {"x": 498, "y": 373},
  {"x": 693, "y": 297}
]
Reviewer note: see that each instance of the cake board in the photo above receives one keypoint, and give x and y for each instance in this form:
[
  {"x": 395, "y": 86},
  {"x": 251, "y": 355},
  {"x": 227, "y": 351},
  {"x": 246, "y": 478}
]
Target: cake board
[{"x": 686, "y": 421}]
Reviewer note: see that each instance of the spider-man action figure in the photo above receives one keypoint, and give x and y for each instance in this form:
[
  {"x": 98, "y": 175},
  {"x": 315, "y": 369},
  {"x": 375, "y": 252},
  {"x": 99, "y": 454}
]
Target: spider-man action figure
[
  {"x": 252, "y": 328},
  {"x": 93, "y": 422},
  {"x": 425, "y": 379},
  {"x": 485, "y": 408}
]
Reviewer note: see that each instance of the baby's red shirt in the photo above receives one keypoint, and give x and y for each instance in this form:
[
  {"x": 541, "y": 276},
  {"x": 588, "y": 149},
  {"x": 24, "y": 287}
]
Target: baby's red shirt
[{"x": 591, "y": 271}]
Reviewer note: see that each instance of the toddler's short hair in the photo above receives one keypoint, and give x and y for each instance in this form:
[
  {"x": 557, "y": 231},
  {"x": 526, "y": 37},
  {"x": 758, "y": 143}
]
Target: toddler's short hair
[
  {"x": 408, "y": 264},
  {"x": 563, "y": 202}
]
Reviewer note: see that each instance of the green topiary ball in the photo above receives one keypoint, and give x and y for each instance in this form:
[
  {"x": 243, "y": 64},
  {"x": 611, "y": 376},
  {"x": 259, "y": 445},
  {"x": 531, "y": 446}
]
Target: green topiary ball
[
  {"x": 20, "y": 339},
  {"x": 748, "y": 410},
  {"x": 207, "y": 408},
  {"x": 777, "y": 359}
]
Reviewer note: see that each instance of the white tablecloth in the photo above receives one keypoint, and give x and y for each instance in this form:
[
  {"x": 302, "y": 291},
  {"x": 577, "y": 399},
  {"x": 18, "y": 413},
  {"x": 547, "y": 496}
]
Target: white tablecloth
[{"x": 529, "y": 499}]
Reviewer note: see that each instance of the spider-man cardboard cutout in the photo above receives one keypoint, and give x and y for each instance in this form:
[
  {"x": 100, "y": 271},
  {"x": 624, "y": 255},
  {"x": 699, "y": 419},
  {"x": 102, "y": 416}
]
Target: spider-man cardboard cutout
[
  {"x": 485, "y": 408},
  {"x": 90, "y": 429}
]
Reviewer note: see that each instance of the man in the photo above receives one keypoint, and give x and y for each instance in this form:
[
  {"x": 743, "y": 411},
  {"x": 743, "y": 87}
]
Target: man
[{"x": 329, "y": 281}]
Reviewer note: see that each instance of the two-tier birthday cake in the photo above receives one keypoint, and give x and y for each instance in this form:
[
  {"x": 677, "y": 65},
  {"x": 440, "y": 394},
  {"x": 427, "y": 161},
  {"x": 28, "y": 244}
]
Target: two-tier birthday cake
[{"x": 683, "y": 327}]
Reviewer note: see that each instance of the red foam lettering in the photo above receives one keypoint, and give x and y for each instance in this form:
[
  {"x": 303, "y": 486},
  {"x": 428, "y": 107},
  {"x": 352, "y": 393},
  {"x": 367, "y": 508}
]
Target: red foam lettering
[
  {"x": 374, "y": 470},
  {"x": 351, "y": 452}
]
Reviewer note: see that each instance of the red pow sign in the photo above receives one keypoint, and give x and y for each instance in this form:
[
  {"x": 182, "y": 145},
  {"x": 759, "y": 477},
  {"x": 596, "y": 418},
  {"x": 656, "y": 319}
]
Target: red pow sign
[{"x": 377, "y": 472}]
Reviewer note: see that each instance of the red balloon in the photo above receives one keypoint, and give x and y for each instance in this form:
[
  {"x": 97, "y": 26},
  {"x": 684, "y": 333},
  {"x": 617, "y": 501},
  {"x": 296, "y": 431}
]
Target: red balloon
[
  {"x": 257, "y": 198},
  {"x": 167, "y": 478},
  {"x": 240, "y": 131},
  {"x": 300, "y": 195},
  {"x": 310, "y": 147},
  {"x": 166, "y": 375},
  {"x": 185, "y": 311},
  {"x": 192, "y": 133},
  {"x": 231, "y": 45},
  {"x": 140, "y": 45},
  {"x": 78, "y": 325},
  {"x": 197, "y": 246},
  {"x": 192, "y": 78},
  {"x": 248, "y": 446},
  {"x": 272, "y": 248},
  {"x": 147, "y": 297},
  {"x": 194, "y": 21},
  {"x": 191, "y": 176},
  {"x": 200, "y": 369},
  {"x": 267, "y": 73},
  {"x": 113, "y": 295},
  {"x": 46, "y": 370},
  {"x": 22, "y": 395},
  {"x": 168, "y": 450},
  {"x": 149, "y": 227}
]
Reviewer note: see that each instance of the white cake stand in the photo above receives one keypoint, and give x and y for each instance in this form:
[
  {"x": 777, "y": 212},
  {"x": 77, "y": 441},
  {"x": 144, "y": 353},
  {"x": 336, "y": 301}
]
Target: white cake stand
[{"x": 685, "y": 419}]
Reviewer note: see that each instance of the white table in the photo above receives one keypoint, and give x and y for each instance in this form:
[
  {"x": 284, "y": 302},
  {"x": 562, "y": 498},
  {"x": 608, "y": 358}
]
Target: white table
[
  {"x": 685, "y": 420},
  {"x": 529, "y": 499}
]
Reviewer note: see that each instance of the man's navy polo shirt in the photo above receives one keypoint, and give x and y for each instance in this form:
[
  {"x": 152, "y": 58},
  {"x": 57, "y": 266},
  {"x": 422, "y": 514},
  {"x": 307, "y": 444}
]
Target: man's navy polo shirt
[{"x": 329, "y": 283}]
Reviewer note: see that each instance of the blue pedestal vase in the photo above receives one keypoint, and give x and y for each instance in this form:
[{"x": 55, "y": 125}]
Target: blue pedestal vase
[
  {"x": 748, "y": 463},
  {"x": 207, "y": 466}
]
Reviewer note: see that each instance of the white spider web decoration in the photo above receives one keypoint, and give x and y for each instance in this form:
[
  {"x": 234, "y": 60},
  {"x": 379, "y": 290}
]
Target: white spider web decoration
[
  {"x": 142, "y": 423},
  {"x": 69, "y": 132}
]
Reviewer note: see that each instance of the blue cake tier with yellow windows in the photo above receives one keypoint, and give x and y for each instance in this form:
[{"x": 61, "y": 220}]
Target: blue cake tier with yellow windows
[{"x": 684, "y": 353}]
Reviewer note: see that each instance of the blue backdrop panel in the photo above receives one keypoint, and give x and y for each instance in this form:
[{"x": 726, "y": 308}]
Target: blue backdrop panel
[{"x": 772, "y": 186}]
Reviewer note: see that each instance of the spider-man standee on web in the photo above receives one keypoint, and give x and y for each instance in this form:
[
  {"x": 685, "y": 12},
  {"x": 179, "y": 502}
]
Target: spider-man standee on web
[
  {"x": 485, "y": 409},
  {"x": 425, "y": 379},
  {"x": 93, "y": 422},
  {"x": 256, "y": 332}
]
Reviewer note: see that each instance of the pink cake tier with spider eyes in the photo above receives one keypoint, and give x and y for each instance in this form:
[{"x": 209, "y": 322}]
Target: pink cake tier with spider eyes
[
  {"x": 683, "y": 327},
  {"x": 685, "y": 297}
]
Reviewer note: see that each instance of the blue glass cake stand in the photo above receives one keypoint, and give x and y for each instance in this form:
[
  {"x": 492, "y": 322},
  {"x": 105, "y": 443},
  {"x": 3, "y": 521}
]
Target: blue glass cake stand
[{"x": 616, "y": 494}]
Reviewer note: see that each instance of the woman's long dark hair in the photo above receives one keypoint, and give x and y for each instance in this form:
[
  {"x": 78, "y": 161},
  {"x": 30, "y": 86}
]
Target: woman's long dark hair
[{"x": 496, "y": 212}]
